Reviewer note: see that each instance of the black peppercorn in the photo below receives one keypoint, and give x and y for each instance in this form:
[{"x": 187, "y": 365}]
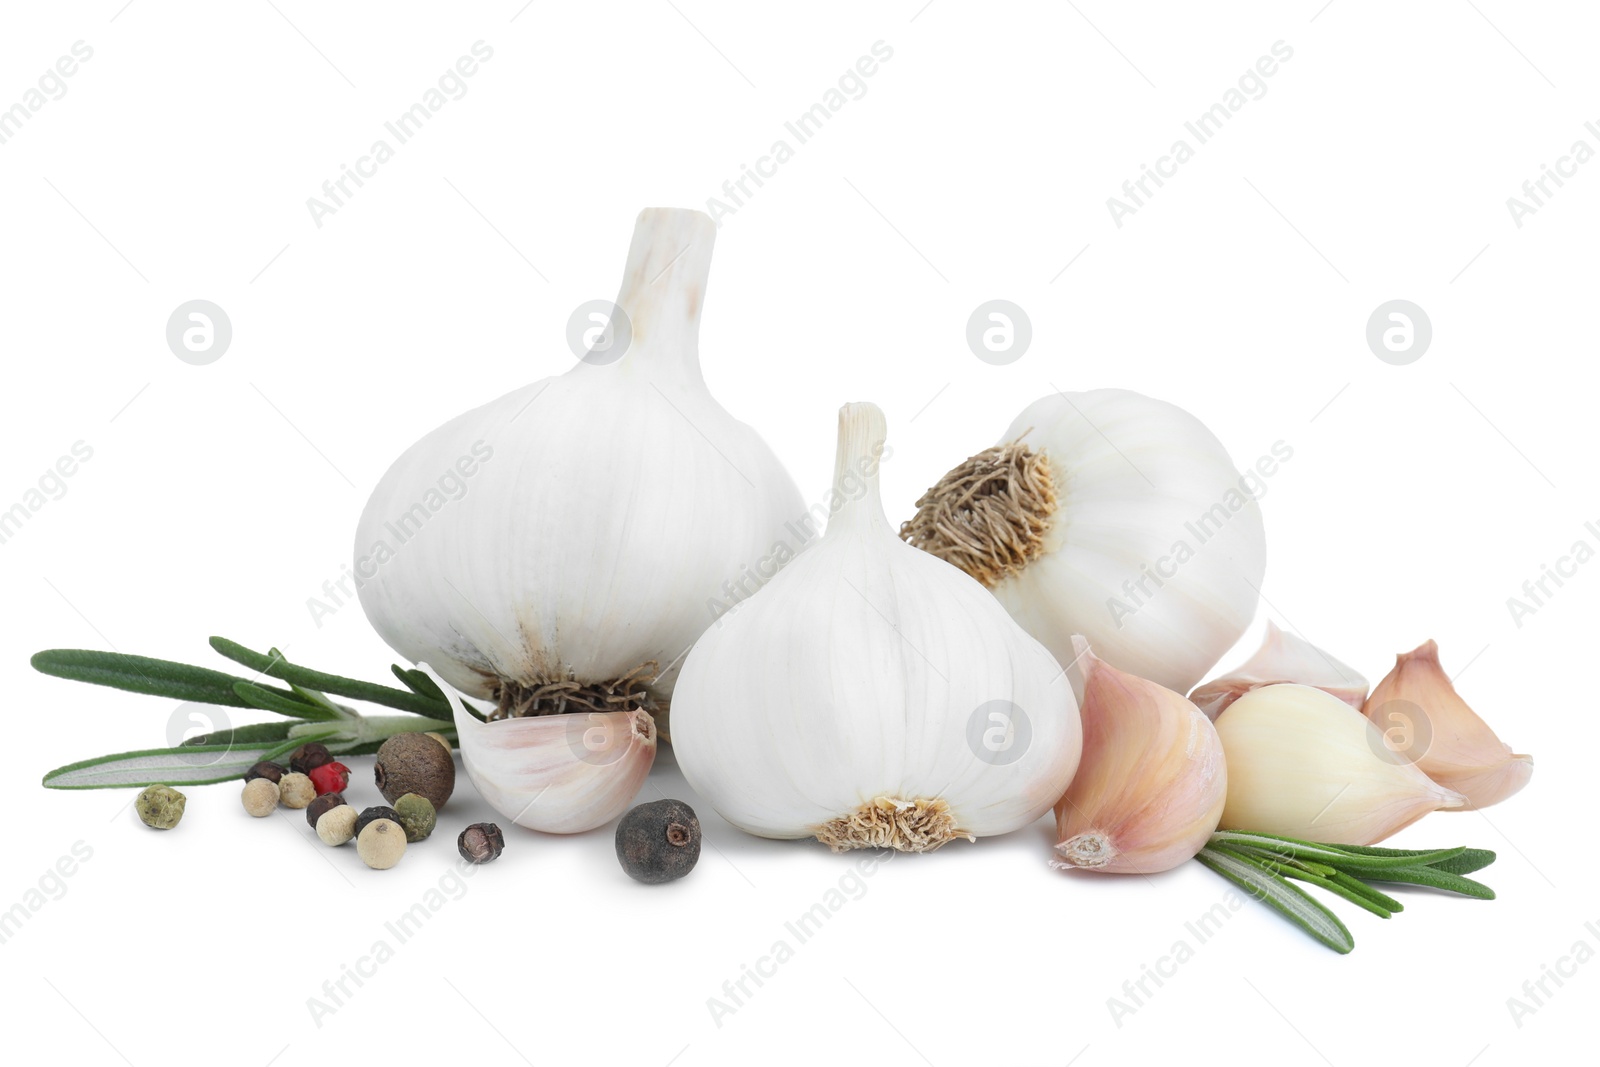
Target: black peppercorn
[
  {"x": 659, "y": 841},
  {"x": 273, "y": 772},
  {"x": 321, "y": 806},
  {"x": 307, "y": 756},
  {"x": 481, "y": 842},
  {"x": 373, "y": 814}
]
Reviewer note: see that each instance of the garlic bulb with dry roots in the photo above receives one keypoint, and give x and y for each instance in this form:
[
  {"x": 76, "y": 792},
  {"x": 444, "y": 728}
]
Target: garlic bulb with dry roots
[
  {"x": 560, "y": 548},
  {"x": 872, "y": 695},
  {"x": 1302, "y": 763},
  {"x": 561, "y": 774},
  {"x": 1424, "y": 719},
  {"x": 1282, "y": 657},
  {"x": 1114, "y": 516},
  {"x": 1152, "y": 782}
]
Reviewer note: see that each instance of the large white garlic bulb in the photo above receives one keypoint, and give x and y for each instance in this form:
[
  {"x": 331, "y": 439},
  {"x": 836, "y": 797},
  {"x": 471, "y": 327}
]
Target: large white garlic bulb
[
  {"x": 872, "y": 695},
  {"x": 1111, "y": 515},
  {"x": 580, "y": 532}
]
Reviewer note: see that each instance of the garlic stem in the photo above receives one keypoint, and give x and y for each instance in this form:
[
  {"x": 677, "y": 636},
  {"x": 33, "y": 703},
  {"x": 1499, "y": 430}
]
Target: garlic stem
[{"x": 863, "y": 434}]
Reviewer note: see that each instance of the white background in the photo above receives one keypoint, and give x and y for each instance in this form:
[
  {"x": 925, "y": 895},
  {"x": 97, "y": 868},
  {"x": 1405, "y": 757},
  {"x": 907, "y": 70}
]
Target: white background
[{"x": 977, "y": 165}]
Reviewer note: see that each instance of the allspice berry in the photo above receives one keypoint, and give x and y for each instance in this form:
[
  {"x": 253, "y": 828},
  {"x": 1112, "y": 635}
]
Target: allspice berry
[
  {"x": 415, "y": 763},
  {"x": 373, "y": 814},
  {"x": 337, "y": 825},
  {"x": 481, "y": 842},
  {"x": 381, "y": 844},
  {"x": 309, "y": 755},
  {"x": 296, "y": 790},
  {"x": 321, "y": 806},
  {"x": 659, "y": 841},
  {"x": 266, "y": 769},
  {"x": 417, "y": 817},
  {"x": 260, "y": 797},
  {"x": 160, "y": 807}
]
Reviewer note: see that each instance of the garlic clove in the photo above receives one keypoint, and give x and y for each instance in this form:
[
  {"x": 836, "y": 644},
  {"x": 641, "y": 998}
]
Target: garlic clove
[
  {"x": 1304, "y": 764},
  {"x": 1425, "y": 720},
  {"x": 1282, "y": 657},
  {"x": 1152, "y": 781},
  {"x": 561, "y": 774}
]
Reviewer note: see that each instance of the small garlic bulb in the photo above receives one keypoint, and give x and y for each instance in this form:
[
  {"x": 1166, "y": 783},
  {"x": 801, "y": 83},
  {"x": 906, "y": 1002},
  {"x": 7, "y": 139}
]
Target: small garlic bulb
[
  {"x": 1114, "y": 516},
  {"x": 1425, "y": 720},
  {"x": 562, "y": 774},
  {"x": 1282, "y": 657},
  {"x": 872, "y": 695},
  {"x": 564, "y": 545},
  {"x": 1302, "y": 763},
  {"x": 1152, "y": 782}
]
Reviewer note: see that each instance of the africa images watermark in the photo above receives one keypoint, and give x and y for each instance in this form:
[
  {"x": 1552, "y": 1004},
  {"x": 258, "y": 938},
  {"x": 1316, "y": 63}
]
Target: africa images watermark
[
  {"x": 451, "y": 85},
  {"x": 1537, "y": 190},
  {"x": 51, "y": 85},
  {"x": 1202, "y": 528},
  {"x": 1252, "y": 85},
  {"x": 52, "y": 485},
  {"x": 798, "y": 533},
  {"x": 852, "y": 85},
  {"x": 50, "y": 886},
  {"x": 449, "y": 487},
  {"x": 1136, "y": 992},
  {"x": 1536, "y": 592},
  {"x": 1537, "y": 992},
  {"x": 851, "y": 886}
]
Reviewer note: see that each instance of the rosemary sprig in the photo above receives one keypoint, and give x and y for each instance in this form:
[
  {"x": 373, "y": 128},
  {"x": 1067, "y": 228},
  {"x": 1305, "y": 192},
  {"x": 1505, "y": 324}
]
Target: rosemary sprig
[
  {"x": 225, "y": 755},
  {"x": 1264, "y": 863}
]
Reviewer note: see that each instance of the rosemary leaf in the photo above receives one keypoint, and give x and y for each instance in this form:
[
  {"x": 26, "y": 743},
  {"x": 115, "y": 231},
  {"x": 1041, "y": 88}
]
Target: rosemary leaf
[
  {"x": 1470, "y": 859},
  {"x": 1277, "y": 893},
  {"x": 256, "y": 696},
  {"x": 1339, "y": 889},
  {"x": 183, "y": 765},
  {"x": 1332, "y": 855},
  {"x": 1434, "y": 878},
  {"x": 141, "y": 674},
  {"x": 278, "y": 667}
]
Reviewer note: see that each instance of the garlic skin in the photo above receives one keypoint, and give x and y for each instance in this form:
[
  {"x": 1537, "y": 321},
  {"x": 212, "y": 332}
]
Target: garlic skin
[
  {"x": 562, "y": 774},
  {"x": 1112, "y": 515},
  {"x": 1282, "y": 657},
  {"x": 1457, "y": 748},
  {"x": 1302, "y": 763},
  {"x": 872, "y": 695},
  {"x": 607, "y": 511},
  {"x": 1152, "y": 781}
]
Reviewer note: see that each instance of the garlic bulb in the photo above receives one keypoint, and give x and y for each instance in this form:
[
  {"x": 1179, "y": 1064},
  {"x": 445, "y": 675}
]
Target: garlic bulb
[
  {"x": 1425, "y": 720},
  {"x": 1114, "y": 516},
  {"x": 561, "y": 774},
  {"x": 1302, "y": 763},
  {"x": 1282, "y": 657},
  {"x": 872, "y": 695},
  {"x": 1152, "y": 782},
  {"x": 549, "y": 548}
]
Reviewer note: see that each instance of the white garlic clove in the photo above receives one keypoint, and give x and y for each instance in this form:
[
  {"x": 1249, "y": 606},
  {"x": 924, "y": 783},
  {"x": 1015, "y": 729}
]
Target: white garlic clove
[
  {"x": 561, "y": 774},
  {"x": 1304, "y": 764},
  {"x": 1282, "y": 657},
  {"x": 1152, "y": 780},
  {"x": 1419, "y": 710}
]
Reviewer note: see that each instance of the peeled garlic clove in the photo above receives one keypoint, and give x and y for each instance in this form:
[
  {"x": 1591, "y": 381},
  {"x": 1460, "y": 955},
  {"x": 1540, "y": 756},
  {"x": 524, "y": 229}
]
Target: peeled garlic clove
[
  {"x": 1115, "y": 516},
  {"x": 1282, "y": 657},
  {"x": 1303, "y": 763},
  {"x": 1152, "y": 781},
  {"x": 561, "y": 774},
  {"x": 1426, "y": 720}
]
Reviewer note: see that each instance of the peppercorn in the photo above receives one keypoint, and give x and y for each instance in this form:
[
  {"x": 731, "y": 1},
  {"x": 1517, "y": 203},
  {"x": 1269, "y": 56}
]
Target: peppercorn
[
  {"x": 330, "y": 777},
  {"x": 659, "y": 841},
  {"x": 412, "y": 763},
  {"x": 417, "y": 817},
  {"x": 381, "y": 844},
  {"x": 309, "y": 755},
  {"x": 321, "y": 806},
  {"x": 481, "y": 842},
  {"x": 337, "y": 825},
  {"x": 260, "y": 797},
  {"x": 373, "y": 814},
  {"x": 296, "y": 790},
  {"x": 160, "y": 806},
  {"x": 274, "y": 772}
]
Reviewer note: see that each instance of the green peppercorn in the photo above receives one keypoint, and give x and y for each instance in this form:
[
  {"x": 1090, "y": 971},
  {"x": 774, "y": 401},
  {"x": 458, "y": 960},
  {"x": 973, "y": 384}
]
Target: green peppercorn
[
  {"x": 417, "y": 816},
  {"x": 659, "y": 841},
  {"x": 160, "y": 806}
]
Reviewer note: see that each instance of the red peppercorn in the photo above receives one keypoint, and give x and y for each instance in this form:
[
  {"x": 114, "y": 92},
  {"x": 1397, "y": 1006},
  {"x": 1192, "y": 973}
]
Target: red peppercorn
[{"x": 330, "y": 778}]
